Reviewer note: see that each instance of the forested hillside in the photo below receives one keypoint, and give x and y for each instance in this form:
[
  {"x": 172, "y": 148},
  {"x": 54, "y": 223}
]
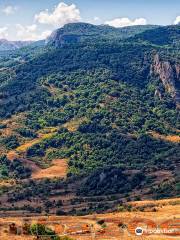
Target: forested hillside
[{"x": 105, "y": 99}]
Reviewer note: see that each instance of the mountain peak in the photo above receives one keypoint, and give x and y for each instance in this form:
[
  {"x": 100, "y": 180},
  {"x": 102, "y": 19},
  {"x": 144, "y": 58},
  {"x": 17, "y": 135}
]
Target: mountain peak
[{"x": 78, "y": 32}]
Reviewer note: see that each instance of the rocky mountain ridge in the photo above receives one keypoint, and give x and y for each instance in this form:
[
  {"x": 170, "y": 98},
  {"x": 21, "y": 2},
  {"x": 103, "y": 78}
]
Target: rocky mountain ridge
[{"x": 169, "y": 74}]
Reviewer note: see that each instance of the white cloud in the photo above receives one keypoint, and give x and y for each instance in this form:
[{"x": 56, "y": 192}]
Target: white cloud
[
  {"x": 61, "y": 15},
  {"x": 8, "y": 10},
  {"x": 3, "y": 32},
  {"x": 96, "y": 19},
  {"x": 30, "y": 33},
  {"x": 45, "y": 34},
  {"x": 26, "y": 32},
  {"x": 177, "y": 20},
  {"x": 123, "y": 22}
]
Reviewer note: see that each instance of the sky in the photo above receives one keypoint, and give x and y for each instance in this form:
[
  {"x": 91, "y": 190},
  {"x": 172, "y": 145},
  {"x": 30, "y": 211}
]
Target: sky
[{"x": 36, "y": 19}]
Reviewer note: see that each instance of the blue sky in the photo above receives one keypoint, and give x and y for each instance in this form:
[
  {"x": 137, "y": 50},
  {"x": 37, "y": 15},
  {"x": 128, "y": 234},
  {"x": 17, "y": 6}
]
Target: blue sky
[{"x": 36, "y": 19}]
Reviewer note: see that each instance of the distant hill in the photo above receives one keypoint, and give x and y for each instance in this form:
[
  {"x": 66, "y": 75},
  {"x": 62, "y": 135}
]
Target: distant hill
[
  {"x": 161, "y": 36},
  {"x": 6, "y": 45}
]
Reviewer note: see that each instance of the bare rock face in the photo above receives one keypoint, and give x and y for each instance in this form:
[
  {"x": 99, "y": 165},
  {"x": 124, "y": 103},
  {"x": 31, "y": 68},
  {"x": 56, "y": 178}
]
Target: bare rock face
[
  {"x": 169, "y": 74},
  {"x": 177, "y": 71},
  {"x": 158, "y": 94},
  {"x": 58, "y": 39}
]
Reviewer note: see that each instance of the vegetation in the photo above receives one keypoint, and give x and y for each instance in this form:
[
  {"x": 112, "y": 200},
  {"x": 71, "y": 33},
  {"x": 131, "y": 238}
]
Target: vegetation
[
  {"x": 43, "y": 232},
  {"x": 14, "y": 169},
  {"x": 104, "y": 81}
]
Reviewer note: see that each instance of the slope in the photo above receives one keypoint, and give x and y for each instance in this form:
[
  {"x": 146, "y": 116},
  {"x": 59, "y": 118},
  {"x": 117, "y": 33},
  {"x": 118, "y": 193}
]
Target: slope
[{"x": 117, "y": 91}]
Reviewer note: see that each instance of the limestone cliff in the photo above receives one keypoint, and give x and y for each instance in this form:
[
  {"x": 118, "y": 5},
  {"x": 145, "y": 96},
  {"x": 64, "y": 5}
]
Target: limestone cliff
[{"x": 169, "y": 74}]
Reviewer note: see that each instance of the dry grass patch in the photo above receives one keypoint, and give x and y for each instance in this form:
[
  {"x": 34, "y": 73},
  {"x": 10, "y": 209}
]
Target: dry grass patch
[
  {"x": 58, "y": 169},
  {"x": 73, "y": 125},
  {"x": 12, "y": 155},
  {"x": 12, "y": 124},
  {"x": 169, "y": 138},
  {"x": 24, "y": 147}
]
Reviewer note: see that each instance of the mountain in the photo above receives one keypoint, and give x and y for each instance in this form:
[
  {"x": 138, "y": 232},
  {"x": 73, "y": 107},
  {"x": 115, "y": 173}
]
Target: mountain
[
  {"x": 97, "y": 108},
  {"x": 161, "y": 35},
  {"x": 79, "y": 32},
  {"x": 6, "y": 45}
]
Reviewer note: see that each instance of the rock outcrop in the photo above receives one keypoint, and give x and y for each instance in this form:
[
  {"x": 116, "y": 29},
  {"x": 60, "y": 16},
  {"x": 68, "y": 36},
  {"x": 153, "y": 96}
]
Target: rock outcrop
[
  {"x": 58, "y": 40},
  {"x": 169, "y": 74}
]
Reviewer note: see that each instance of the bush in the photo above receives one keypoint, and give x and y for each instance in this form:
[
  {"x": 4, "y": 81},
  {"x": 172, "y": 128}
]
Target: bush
[{"x": 41, "y": 230}]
